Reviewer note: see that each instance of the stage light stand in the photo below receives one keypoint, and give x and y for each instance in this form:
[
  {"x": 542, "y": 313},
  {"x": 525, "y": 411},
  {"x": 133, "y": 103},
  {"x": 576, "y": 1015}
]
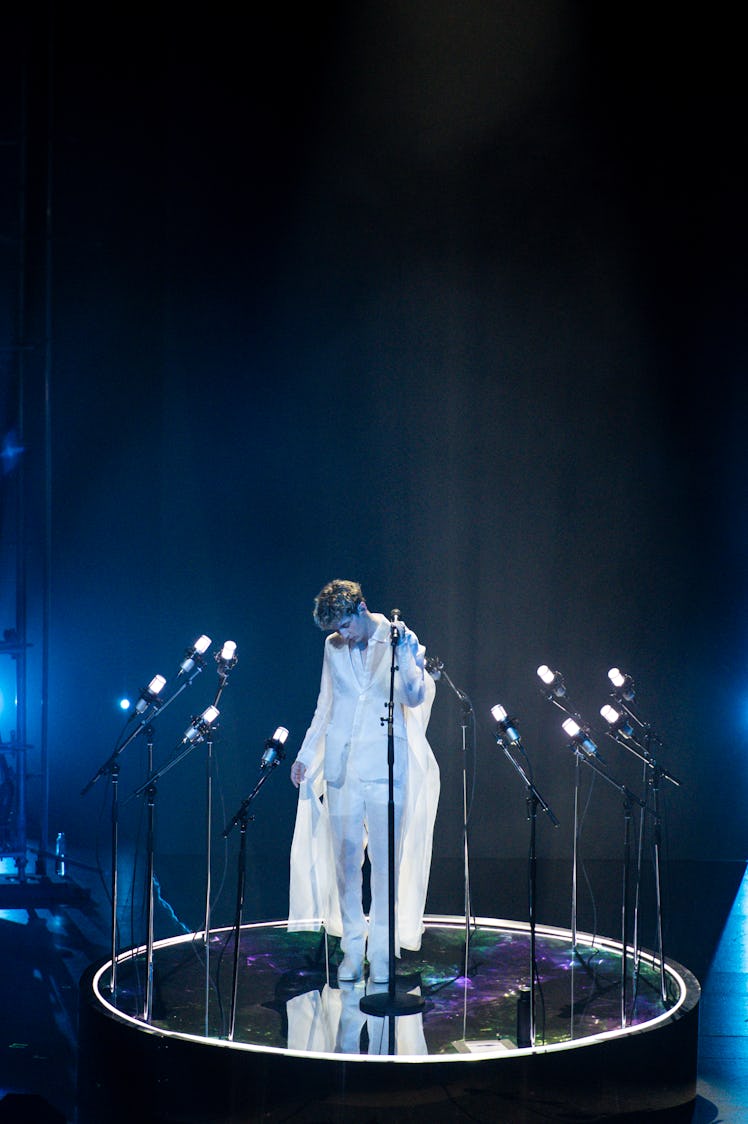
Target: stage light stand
[
  {"x": 640, "y": 744},
  {"x": 554, "y": 690},
  {"x": 508, "y": 737},
  {"x": 585, "y": 750},
  {"x": 271, "y": 758},
  {"x": 149, "y": 707},
  {"x": 194, "y": 735},
  {"x": 226, "y": 660},
  {"x": 436, "y": 669}
]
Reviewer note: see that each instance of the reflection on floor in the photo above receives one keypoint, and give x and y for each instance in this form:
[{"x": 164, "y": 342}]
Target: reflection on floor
[
  {"x": 53, "y": 930},
  {"x": 289, "y": 996}
]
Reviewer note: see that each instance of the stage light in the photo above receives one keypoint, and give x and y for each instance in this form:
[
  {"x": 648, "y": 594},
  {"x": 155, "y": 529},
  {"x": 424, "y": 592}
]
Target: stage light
[
  {"x": 506, "y": 731},
  {"x": 617, "y": 721},
  {"x": 226, "y": 658},
  {"x": 274, "y": 748},
  {"x": 124, "y": 704},
  {"x": 580, "y": 737},
  {"x": 553, "y": 680},
  {"x": 622, "y": 683},
  {"x": 149, "y": 695},
  {"x": 201, "y": 726},
  {"x": 192, "y": 656}
]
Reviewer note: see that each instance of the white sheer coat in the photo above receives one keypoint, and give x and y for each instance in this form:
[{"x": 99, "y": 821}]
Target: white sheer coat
[{"x": 347, "y": 721}]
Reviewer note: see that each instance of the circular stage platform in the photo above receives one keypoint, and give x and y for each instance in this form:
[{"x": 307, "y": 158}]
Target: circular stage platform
[{"x": 302, "y": 1050}]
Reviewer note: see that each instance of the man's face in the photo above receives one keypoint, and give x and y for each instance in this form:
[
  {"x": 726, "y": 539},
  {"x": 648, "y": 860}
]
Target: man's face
[{"x": 353, "y": 627}]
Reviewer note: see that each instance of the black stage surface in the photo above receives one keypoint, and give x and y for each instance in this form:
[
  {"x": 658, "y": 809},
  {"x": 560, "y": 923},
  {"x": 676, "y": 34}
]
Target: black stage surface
[
  {"x": 53, "y": 931},
  {"x": 302, "y": 1049}
]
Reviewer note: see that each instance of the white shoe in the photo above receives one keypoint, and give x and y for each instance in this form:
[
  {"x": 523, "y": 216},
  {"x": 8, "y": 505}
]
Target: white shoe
[
  {"x": 379, "y": 971},
  {"x": 350, "y": 968}
]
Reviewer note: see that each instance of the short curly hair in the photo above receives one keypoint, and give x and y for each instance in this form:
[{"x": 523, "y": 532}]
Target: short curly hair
[{"x": 336, "y": 600}]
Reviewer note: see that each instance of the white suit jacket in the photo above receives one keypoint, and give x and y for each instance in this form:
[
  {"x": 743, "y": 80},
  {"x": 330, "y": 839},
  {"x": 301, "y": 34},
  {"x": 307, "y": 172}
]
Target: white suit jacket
[
  {"x": 347, "y": 723},
  {"x": 351, "y": 712}
]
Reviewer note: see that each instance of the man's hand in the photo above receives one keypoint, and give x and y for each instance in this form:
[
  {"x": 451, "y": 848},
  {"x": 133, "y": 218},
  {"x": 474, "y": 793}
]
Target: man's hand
[
  {"x": 405, "y": 638},
  {"x": 298, "y": 772}
]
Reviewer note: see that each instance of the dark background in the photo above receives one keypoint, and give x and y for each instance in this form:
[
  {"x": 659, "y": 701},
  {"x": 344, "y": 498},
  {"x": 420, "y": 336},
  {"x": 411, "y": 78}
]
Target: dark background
[{"x": 447, "y": 298}]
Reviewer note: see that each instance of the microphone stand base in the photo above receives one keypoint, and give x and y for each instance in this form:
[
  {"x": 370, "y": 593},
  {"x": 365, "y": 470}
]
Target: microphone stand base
[{"x": 385, "y": 1003}]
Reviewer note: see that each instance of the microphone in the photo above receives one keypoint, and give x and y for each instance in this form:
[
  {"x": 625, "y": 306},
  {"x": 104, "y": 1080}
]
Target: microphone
[
  {"x": 507, "y": 731},
  {"x": 149, "y": 695},
  {"x": 193, "y": 655},
  {"x": 274, "y": 751},
  {"x": 200, "y": 726},
  {"x": 582, "y": 738},
  {"x": 394, "y": 630}
]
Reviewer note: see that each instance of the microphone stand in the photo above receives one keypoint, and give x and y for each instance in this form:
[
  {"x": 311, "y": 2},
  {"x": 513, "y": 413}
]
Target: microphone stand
[
  {"x": 112, "y": 767},
  {"x": 389, "y": 1003},
  {"x": 435, "y": 667},
  {"x": 242, "y": 817},
  {"x": 533, "y": 800}
]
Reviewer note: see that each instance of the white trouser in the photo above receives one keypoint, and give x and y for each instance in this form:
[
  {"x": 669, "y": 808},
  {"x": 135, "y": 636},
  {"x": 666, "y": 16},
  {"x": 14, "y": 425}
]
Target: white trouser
[{"x": 355, "y": 808}]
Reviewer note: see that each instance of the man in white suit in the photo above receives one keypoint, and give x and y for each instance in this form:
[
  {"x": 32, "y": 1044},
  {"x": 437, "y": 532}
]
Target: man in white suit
[{"x": 343, "y": 772}]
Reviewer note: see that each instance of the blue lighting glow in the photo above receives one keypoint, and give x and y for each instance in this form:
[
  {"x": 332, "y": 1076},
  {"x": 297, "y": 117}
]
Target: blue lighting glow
[
  {"x": 11, "y": 451},
  {"x": 7, "y": 702},
  {"x": 124, "y": 704},
  {"x": 732, "y": 950}
]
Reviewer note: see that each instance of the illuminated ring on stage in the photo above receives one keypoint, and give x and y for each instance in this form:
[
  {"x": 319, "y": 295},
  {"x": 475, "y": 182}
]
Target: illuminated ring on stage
[{"x": 462, "y": 1051}]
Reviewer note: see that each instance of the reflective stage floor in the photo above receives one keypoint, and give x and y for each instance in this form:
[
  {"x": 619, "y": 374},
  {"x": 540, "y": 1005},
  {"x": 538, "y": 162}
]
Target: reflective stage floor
[{"x": 303, "y": 1049}]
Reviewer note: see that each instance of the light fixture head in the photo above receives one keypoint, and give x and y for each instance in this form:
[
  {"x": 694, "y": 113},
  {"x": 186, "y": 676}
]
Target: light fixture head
[
  {"x": 193, "y": 655},
  {"x": 149, "y": 695},
  {"x": 623, "y": 684},
  {"x": 617, "y": 720},
  {"x": 201, "y": 726},
  {"x": 581, "y": 738},
  {"x": 226, "y": 659},
  {"x": 553, "y": 680},
  {"x": 572, "y": 728},
  {"x": 274, "y": 751},
  {"x": 506, "y": 730}
]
